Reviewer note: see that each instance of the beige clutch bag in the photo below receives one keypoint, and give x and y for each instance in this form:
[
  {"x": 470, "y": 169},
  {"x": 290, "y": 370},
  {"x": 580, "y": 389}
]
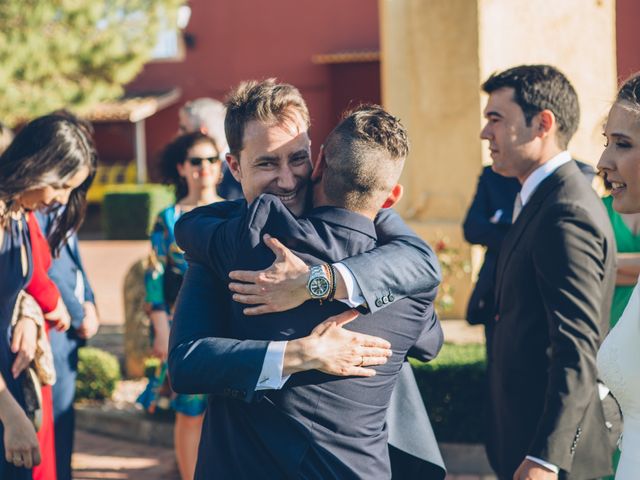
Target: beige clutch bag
[{"x": 27, "y": 307}]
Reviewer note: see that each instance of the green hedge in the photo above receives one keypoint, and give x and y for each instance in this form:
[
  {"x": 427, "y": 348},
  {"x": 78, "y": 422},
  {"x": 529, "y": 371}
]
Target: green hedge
[
  {"x": 98, "y": 374},
  {"x": 129, "y": 211},
  {"x": 453, "y": 390}
]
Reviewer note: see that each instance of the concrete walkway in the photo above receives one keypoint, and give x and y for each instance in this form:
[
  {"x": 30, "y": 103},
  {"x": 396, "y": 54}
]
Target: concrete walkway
[
  {"x": 102, "y": 457},
  {"x": 107, "y": 263}
]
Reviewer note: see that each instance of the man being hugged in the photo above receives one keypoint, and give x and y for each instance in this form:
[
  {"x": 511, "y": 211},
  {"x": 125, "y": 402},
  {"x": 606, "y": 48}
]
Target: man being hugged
[{"x": 301, "y": 430}]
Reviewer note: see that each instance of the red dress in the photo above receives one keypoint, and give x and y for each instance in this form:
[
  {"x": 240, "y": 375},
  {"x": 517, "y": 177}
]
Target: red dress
[{"x": 45, "y": 292}]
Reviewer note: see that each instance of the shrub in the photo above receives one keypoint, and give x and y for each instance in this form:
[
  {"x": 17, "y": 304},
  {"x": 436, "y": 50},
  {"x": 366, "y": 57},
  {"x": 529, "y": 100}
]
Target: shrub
[
  {"x": 98, "y": 374},
  {"x": 453, "y": 389},
  {"x": 129, "y": 211}
]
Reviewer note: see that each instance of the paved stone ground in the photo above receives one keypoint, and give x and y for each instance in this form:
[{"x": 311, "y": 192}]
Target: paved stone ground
[
  {"x": 107, "y": 263},
  {"x": 101, "y": 457}
]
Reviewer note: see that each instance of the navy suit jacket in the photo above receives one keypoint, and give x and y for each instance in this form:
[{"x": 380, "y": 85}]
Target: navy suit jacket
[
  {"x": 64, "y": 272},
  {"x": 317, "y": 426},
  {"x": 494, "y": 192}
]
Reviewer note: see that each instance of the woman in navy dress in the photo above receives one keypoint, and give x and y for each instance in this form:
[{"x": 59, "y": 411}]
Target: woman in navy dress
[{"x": 50, "y": 162}]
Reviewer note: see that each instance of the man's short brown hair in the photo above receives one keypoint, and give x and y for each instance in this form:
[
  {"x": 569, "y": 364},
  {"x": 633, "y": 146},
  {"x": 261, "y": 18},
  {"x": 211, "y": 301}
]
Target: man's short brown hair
[
  {"x": 267, "y": 101},
  {"x": 364, "y": 157}
]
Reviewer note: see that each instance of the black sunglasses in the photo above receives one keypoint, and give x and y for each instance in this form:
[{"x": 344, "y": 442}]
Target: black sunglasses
[{"x": 197, "y": 161}]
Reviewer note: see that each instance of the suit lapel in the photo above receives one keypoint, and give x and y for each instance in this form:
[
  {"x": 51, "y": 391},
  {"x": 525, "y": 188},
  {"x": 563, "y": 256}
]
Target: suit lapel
[{"x": 527, "y": 214}]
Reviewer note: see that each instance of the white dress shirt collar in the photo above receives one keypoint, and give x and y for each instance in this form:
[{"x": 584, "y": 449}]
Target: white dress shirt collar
[{"x": 539, "y": 174}]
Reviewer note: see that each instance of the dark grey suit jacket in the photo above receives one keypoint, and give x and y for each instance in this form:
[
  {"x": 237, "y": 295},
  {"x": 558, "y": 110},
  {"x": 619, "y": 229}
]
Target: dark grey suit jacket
[
  {"x": 342, "y": 440},
  {"x": 554, "y": 285}
]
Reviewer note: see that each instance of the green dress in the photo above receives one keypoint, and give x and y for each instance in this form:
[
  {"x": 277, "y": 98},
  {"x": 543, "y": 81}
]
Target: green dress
[{"x": 626, "y": 242}]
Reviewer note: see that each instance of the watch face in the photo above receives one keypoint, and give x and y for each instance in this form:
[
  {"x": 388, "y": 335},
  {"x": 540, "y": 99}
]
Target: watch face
[{"x": 319, "y": 287}]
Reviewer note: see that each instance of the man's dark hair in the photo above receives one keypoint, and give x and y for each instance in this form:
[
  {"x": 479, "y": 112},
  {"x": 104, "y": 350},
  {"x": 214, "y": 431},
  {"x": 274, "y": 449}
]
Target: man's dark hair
[
  {"x": 364, "y": 157},
  {"x": 267, "y": 101},
  {"x": 537, "y": 88}
]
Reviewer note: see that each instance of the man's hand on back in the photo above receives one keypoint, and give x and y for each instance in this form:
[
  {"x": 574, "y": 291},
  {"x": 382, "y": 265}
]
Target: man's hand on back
[
  {"x": 280, "y": 287},
  {"x": 336, "y": 351}
]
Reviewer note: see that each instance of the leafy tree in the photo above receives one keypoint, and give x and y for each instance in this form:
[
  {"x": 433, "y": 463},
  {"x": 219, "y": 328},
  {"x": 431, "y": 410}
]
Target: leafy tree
[{"x": 73, "y": 53}]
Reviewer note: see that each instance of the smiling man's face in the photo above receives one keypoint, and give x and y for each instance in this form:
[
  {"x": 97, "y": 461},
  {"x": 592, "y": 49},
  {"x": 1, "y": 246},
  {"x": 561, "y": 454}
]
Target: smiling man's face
[{"x": 275, "y": 159}]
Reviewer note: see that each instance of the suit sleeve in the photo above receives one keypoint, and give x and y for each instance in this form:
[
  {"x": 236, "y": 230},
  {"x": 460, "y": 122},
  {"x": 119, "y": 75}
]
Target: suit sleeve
[
  {"x": 402, "y": 265},
  {"x": 74, "y": 307},
  {"x": 202, "y": 359},
  {"x": 89, "y": 296},
  {"x": 195, "y": 230},
  {"x": 431, "y": 339},
  {"x": 477, "y": 228},
  {"x": 570, "y": 267},
  {"x": 202, "y": 356}
]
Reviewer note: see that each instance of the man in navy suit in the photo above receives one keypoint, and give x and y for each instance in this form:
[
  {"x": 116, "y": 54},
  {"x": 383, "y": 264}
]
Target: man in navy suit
[
  {"x": 68, "y": 274},
  {"x": 319, "y": 425}
]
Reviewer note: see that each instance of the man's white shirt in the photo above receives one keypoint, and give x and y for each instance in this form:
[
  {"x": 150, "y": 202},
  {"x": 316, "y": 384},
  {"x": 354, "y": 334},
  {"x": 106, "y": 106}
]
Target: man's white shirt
[{"x": 271, "y": 374}]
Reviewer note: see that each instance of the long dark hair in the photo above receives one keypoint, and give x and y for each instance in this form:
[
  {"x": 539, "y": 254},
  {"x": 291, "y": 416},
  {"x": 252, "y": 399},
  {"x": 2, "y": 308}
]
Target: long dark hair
[
  {"x": 50, "y": 150},
  {"x": 176, "y": 153}
]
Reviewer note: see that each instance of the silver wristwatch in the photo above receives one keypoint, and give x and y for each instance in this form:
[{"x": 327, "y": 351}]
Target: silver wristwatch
[{"x": 319, "y": 284}]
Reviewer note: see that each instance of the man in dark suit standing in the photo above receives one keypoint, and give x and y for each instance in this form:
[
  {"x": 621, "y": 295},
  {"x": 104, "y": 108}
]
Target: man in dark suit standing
[
  {"x": 554, "y": 284},
  {"x": 189, "y": 368},
  {"x": 68, "y": 274},
  {"x": 487, "y": 223}
]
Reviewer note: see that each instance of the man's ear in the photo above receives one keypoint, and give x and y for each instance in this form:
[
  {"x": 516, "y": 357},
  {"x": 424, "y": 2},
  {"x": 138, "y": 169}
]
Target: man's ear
[
  {"x": 546, "y": 121},
  {"x": 319, "y": 165},
  {"x": 234, "y": 166},
  {"x": 394, "y": 196}
]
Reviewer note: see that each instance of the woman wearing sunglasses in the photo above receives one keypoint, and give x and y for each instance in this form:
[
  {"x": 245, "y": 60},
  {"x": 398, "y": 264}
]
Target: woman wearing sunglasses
[{"x": 192, "y": 164}]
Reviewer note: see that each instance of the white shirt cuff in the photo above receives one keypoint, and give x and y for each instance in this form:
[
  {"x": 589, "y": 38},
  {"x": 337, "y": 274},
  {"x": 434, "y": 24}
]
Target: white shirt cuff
[
  {"x": 548, "y": 465},
  {"x": 271, "y": 374},
  {"x": 354, "y": 293}
]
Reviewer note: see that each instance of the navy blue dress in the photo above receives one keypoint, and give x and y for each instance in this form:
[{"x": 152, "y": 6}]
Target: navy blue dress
[{"x": 11, "y": 282}]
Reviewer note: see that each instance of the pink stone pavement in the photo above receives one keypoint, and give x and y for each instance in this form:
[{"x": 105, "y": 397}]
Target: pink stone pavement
[
  {"x": 107, "y": 263},
  {"x": 101, "y": 457}
]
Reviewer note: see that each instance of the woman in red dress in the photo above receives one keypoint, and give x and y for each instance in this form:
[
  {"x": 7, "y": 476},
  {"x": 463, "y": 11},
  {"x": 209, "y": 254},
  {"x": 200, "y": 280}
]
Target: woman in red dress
[
  {"x": 45, "y": 292},
  {"x": 48, "y": 297}
]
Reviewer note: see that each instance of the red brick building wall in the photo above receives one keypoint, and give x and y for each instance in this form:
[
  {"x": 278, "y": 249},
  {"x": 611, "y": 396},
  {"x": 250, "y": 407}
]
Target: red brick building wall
[
  {"x": 627, "y": 37},
  {"x": 247, "y": 39}
]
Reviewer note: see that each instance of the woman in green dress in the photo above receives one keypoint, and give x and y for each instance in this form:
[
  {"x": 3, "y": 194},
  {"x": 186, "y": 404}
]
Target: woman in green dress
[
  {"x": 192, "y": 163},
  {"x": 626, "y": 228}
]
